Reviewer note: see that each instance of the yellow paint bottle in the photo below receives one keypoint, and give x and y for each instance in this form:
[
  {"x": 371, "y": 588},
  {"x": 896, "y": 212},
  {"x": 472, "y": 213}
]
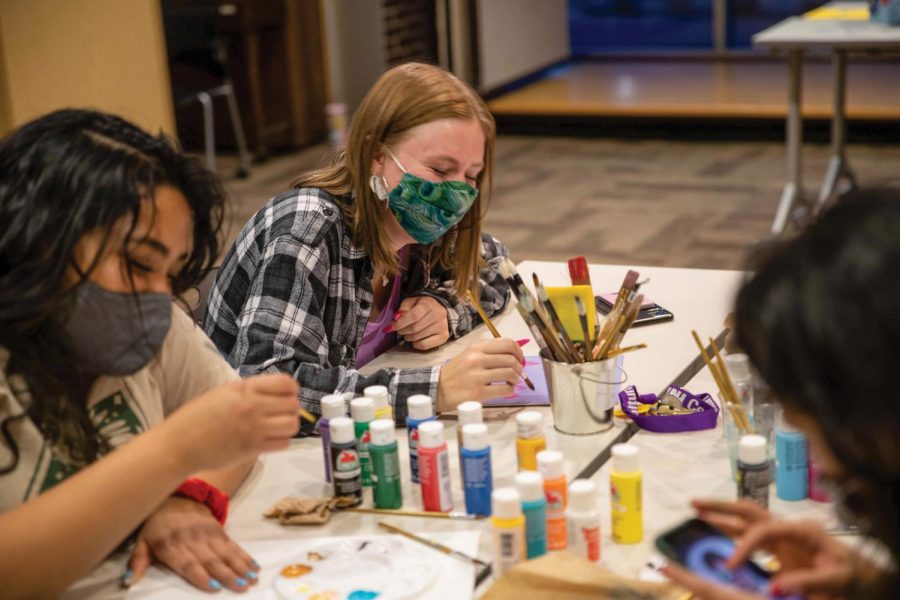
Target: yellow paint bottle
[
  {"x": 507, "y": 530},
  {"x": 626, "y": 495},
  {"x": 529, "y": 439}
]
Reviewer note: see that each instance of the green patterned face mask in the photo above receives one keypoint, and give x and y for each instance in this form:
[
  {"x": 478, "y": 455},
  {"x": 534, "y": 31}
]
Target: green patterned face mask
[{"x": 426, "y": 209}]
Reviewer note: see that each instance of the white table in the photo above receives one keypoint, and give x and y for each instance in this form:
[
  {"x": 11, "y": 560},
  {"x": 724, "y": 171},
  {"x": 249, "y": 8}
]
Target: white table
[
  {"x": 700, "y": 299},
  {"x": 796, "y": 35}
]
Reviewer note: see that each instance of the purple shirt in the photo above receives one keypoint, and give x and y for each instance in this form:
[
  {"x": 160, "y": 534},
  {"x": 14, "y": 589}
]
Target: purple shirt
[{"x": 375, "y": 340}]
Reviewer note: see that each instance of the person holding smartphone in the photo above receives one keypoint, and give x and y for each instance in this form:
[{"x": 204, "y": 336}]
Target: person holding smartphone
[{"x": 819, "y": 321}]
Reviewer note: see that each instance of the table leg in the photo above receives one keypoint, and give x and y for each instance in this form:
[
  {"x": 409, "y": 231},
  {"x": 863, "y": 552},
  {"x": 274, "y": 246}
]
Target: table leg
[
  {"x": 793, "y": 189},
  {"x": 838, "y": 167}
]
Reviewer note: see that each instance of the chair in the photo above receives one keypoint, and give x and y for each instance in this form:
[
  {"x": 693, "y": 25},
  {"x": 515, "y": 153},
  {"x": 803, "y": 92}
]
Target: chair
[{"x": 198, "y": 66}]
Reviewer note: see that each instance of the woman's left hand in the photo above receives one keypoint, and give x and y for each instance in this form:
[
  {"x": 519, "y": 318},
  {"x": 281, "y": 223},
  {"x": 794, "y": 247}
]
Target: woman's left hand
[
  {"x": 422, "y": 321},
  {"x": 184, "y": 536}
]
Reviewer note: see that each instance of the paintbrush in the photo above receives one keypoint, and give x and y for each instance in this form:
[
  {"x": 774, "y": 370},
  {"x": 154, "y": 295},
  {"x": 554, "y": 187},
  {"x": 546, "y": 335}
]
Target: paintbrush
[
  {"x": 474, "y": 302},
  {"x": 578, "y": 271},
  {"x": 632, "y": 308},
  {"x": 434, "y": 545},
  {"x": 618, "y": 351},
  {"x": 554, "y": 317},
  {"x": 557, "y": 351},
  {"x": 603, "y": 346},
  {"x": 582, "y": 318},
  {"x": 734, "y": 406},
  {"x": 455, "y": 516}
]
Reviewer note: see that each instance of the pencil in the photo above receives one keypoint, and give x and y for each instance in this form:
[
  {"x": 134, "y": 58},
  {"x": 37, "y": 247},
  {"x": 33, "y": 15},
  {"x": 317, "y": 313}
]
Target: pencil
[
  {"x": 493, "y": 330},
  {"x": 455, "y": 516},
  {"x": 435, "y": 545}
]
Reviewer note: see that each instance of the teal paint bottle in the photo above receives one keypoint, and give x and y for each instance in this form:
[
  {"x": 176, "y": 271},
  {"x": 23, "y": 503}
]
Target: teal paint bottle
[
  {"x": 385, "y": 464},
  {"x": 534, "y": 506}
]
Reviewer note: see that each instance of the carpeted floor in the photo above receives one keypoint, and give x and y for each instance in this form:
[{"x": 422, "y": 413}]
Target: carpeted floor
[{"x": 639, "y": 202}]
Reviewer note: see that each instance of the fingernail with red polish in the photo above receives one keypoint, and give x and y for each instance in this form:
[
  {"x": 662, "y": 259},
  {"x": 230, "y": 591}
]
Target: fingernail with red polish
[
  {"x": 776, "y": 590},
  {"x": 523, "y": 362},
  {"x": 522, "y": 342},
  {"x": 388, "y": 329},
  {"x": 399, "y": 314}
]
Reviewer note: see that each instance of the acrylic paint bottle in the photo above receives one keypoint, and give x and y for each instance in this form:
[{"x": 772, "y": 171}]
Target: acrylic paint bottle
[
  {"x": 419, "y": 410},
  {"x": 379, "y": 396},
  {"x": 434, "y": 467},
  {"x": 345, "y": 469},
  {"x": 753, "y": 469},
  {"x": 534, "y": 506},
  {"x": 626, "y": 495},
  {"x": 475, "y": 462},
  {"x": 385, "y": 464},
  {"x": 362, "y": 410},
  {"x": 791, "y": 463},
  {"x": 738, "y": 366},
  {"x": 332, "y": 406},
  {"x": 584, "y": 520},
  {"x": 550, "y": 466},
  {"x": 468, "y": 413},
  {"x": 529, "y": 439},
  {"x": 507, "y": 530},
  {"x": 817, "y": 492}
]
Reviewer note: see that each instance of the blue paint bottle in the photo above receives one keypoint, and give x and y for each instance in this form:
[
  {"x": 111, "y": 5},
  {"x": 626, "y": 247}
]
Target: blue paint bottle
[
  {"x": 791, "y": 461},
  {"x": 332, "y": 406},
  {"x": 478, "y": 482},
  {"x": 534, "y": 506},
  {"x": 419, "y": 410}
]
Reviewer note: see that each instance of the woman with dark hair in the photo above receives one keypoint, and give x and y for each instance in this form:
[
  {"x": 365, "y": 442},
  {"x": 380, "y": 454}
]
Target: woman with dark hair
[
  {"x": 101, "y": 225},
  {"x": 819, "y": 321}
]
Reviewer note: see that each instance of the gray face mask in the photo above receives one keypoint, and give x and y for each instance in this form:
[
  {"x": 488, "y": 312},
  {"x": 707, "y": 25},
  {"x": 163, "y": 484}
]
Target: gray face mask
[{"x": 115, "y": 333}]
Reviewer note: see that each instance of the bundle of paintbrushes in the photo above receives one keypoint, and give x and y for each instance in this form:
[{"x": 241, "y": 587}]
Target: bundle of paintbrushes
[
  {"x": 727, "y": 391},
  {"x": 562, "y": 326}
]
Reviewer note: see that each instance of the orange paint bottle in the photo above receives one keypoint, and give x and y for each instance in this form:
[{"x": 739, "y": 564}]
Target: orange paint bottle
[{"x": 550, "y": 465}]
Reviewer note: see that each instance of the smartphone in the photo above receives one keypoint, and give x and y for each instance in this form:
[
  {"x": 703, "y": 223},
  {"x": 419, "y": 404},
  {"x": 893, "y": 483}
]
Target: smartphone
[
  {"x": 650, "y": 312},
  {"x": 703, "y": 549}
]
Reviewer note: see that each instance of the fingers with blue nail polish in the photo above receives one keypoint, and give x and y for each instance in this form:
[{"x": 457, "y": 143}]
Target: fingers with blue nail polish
[
  {"x": 251, "y": 575},
  {"x": 241, "y": 582},
  {"x": 214, "y": 584}
]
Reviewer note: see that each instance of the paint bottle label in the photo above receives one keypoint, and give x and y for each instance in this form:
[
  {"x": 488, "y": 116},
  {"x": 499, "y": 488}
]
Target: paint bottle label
[
  {"x": 555, "y": 494},
  {"x": 627, "y": 510},
  {"x": 346, "y": 471},
  {"x": 434, "y": 475},
  {"x": 478, "y": 481},
  {"x": 753, "y": 483},
  {"x": 362, "y": 446},
  {"x": 584, "y": 538},
  {"x": 386, "y": 476},
  {"x": 509, "y": 546},
  {"x": 325, "y": 432},
  {"x": 535, "y": 529}
]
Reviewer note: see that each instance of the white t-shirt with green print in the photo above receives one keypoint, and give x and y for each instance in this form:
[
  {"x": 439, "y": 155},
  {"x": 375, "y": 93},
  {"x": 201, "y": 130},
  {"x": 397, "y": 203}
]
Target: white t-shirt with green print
[{"x": 121, "y": 407}]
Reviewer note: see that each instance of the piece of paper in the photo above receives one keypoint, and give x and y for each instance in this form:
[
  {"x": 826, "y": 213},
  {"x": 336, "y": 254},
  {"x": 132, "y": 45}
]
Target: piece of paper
[
  {"x": 455, "y": 578},
  {"x": 524, "y": 396}
]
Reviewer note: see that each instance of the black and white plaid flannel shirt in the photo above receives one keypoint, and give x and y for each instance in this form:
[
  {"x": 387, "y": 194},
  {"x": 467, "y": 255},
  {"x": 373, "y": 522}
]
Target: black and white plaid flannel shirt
[{"x": 294, "y": 295}]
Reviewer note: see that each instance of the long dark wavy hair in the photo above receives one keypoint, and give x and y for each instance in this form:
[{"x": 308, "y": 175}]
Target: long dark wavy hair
[
  {"x": 820, "y": 322},
  {"x": 61, "y": 176}
]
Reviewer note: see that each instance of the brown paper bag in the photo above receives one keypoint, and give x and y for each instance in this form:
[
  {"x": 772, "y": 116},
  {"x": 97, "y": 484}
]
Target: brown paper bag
[{"x": 565, "y": 576}]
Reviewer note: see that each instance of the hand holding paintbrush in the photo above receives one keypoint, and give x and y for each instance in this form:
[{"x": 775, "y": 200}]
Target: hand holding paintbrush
[{"x": 487, "y": 321}]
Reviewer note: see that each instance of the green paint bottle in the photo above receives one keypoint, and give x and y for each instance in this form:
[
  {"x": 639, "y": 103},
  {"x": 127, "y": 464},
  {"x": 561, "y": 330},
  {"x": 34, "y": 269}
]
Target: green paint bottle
[
  {"x": 363, "y": 411},
  {"x": 385, "y": 464}
]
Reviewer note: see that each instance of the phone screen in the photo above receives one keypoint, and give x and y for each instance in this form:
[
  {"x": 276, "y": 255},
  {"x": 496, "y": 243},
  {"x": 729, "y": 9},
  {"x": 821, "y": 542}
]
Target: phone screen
[
  {"x": 649, "y": 312},
  {"x": 704, "y": 550}
]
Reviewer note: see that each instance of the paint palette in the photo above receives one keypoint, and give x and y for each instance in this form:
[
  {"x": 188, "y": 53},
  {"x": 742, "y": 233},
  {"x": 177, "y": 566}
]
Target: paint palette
[{"x": 356, "y": 569}]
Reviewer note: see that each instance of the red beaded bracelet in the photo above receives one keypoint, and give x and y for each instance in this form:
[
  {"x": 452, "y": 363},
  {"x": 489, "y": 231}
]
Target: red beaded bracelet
[{"x": 205, "y": 493}]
